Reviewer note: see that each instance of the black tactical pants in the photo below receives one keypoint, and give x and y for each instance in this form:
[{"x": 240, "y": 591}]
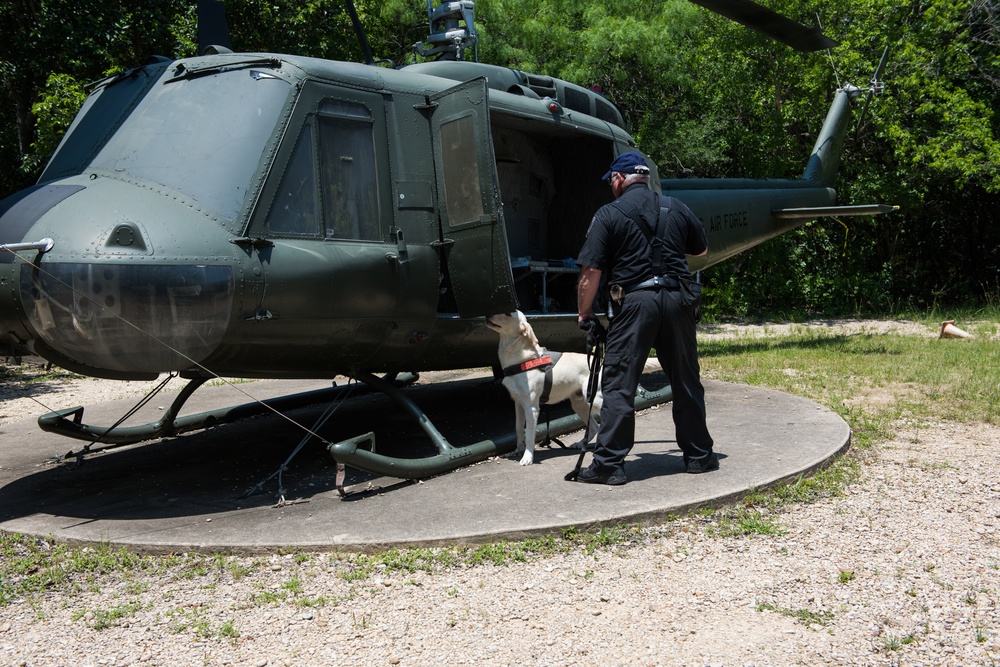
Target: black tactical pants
[{"x": 662, "y": 318}]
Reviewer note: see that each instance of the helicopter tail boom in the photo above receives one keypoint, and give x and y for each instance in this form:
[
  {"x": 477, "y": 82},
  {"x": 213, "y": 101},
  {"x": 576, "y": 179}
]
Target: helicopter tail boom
[
  {"x": 824, "y": 162},
  {"x": 739, "y": 214}
]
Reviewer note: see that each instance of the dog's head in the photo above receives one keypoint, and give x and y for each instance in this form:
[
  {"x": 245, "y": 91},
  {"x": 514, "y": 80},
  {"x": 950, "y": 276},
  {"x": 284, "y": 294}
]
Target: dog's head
[{"x": 512, "y": 325}]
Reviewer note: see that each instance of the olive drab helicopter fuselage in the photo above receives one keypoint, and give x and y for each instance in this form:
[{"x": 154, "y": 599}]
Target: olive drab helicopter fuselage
[{"x": 274, "y": 216}]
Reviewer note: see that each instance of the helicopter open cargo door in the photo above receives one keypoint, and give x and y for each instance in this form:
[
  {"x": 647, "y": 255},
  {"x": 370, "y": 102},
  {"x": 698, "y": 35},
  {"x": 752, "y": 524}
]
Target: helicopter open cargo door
[{"x": 472, "y": 229}]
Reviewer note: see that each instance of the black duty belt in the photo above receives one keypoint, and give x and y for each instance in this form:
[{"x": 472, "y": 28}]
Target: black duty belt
[{"x": 656, "y": 281}]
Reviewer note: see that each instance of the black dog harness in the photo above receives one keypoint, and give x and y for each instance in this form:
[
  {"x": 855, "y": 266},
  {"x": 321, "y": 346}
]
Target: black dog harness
[{"x": 542, "y": 363}]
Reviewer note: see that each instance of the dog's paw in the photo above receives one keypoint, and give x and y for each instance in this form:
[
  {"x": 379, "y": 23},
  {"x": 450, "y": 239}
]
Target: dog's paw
[{"x": 528, "y": 458}]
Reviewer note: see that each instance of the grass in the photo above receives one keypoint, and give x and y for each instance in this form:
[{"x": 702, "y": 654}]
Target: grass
[
  {"x": 871, "y": 379},
  {"x": 30, "y": 566},
  {"x": 892, "y": 642},
  {"x": 359, "y": 567},
  {"x": 194, "y": 621},
  {"x": 742, "y": 521},
  {"x": 101, "y": 619},
  {"x": 804, "y": 616},
  {"x": 29, "y": 375}
]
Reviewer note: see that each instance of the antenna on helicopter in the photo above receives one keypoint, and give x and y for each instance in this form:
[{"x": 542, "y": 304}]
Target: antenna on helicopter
[
  {"x": 359, "y": 31},
  {"x": 366, "y": 50},
  {"x": 452, "y": 29},
  {"x": 875, "y": 87}
]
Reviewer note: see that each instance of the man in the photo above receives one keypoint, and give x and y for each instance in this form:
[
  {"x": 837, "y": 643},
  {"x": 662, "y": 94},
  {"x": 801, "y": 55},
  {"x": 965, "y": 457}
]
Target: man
[{"x": 641, "y": 253}]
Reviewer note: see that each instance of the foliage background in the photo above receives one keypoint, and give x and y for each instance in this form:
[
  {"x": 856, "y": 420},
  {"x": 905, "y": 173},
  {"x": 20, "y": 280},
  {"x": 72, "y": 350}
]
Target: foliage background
[{"x": 704, "y": 97}]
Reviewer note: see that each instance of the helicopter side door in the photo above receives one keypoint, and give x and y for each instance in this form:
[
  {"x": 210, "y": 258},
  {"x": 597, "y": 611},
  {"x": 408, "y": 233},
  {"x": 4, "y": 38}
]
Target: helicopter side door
[
  {"x": 332, "y": 286},
  {"x": 471, "y": 215}
]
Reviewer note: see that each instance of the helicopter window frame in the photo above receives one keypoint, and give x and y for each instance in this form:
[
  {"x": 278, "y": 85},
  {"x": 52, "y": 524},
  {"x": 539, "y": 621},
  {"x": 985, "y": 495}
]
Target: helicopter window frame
[
  {"x": 330, "y": 112},
  {"x": 358, "y": 194},
  {"x": 463, "y": 194},
  {"x": 298, "y": 205}
]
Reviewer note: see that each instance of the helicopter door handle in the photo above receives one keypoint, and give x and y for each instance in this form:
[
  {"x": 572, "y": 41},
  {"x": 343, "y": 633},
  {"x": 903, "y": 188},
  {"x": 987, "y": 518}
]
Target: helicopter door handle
[{"x": 401, "y": 256}]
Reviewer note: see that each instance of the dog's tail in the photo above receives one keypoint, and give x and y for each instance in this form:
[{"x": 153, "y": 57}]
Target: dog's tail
[{"x": 652, "y": 365}]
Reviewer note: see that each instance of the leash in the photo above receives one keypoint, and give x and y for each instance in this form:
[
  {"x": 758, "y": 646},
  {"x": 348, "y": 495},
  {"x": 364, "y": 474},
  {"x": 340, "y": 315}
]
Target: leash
[{"x": 596, "y": 335}]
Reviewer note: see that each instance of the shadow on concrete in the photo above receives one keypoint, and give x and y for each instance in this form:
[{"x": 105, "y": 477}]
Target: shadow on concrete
[
  {"x": 184, "y": 493},
  {"x": 215, "y": 469}
]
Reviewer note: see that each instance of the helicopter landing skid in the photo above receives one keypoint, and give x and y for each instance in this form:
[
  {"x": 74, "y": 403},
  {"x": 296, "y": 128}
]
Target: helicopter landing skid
[
  {"x": 69, "y": 421},
  {"x": 449, "y": 457}
]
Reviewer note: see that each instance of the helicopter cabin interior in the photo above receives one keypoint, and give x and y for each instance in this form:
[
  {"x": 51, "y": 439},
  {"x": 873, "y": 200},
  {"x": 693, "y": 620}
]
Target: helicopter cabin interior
[{"x": 550, "y": 187}]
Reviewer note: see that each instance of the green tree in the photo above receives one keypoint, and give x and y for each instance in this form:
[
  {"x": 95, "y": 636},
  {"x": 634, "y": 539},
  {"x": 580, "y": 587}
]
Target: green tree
[
  {"x": 930, "y": 145},
  {"x": 50, "y": 50},
  {"x": 637, "y": 55},
  {"x": 78, "y": 42}
]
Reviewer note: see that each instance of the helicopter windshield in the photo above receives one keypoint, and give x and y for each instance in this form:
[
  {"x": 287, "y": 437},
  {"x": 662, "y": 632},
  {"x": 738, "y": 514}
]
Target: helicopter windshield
[{"x": 202, "y": 136}]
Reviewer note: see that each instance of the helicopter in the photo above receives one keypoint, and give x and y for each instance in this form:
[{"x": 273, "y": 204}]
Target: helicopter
[{"x": 258, "y": 215}]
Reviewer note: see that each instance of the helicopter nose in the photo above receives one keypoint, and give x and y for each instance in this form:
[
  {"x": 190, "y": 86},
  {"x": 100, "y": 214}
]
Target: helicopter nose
[
  {"x": 113, "y": 297},
  {"x": 129, "y": 318},
  {"x": 18, "y": 214}
]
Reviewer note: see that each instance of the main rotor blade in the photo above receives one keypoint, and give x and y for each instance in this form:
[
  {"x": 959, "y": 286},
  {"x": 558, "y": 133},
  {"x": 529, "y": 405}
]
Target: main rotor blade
[
  {"x": 770, "y": 23},
  {"x": 212, "y": 27}
]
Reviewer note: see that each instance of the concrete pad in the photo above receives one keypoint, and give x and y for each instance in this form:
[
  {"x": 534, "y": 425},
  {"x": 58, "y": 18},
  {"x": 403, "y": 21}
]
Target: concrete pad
[{"x": 184, "y": 493}]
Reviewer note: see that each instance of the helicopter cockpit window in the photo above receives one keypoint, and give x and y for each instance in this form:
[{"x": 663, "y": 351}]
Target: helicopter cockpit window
[
  {"x": 345, "y": 189},
  {"x": 348, "y": 181},
  {"x": 203, "y": 136},
  {"x": 463, "y": 195},
  {"x": 295, "y": 211}
]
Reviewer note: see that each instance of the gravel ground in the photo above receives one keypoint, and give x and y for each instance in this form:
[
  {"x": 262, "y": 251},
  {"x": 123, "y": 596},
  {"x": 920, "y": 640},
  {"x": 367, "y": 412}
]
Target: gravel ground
[{"x": 903, "y": 569}]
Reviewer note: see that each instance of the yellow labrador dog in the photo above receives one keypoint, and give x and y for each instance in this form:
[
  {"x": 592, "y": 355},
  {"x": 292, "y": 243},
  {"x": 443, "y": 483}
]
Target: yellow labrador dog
[{"x": 526, "y": 364}]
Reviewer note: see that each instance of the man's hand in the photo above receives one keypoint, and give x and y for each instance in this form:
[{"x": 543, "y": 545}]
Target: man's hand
[{"x": 595, "y": 331}]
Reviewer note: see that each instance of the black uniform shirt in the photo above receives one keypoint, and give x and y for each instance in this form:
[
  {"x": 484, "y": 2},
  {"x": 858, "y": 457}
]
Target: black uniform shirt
[{"x": 618, "y": 247}]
